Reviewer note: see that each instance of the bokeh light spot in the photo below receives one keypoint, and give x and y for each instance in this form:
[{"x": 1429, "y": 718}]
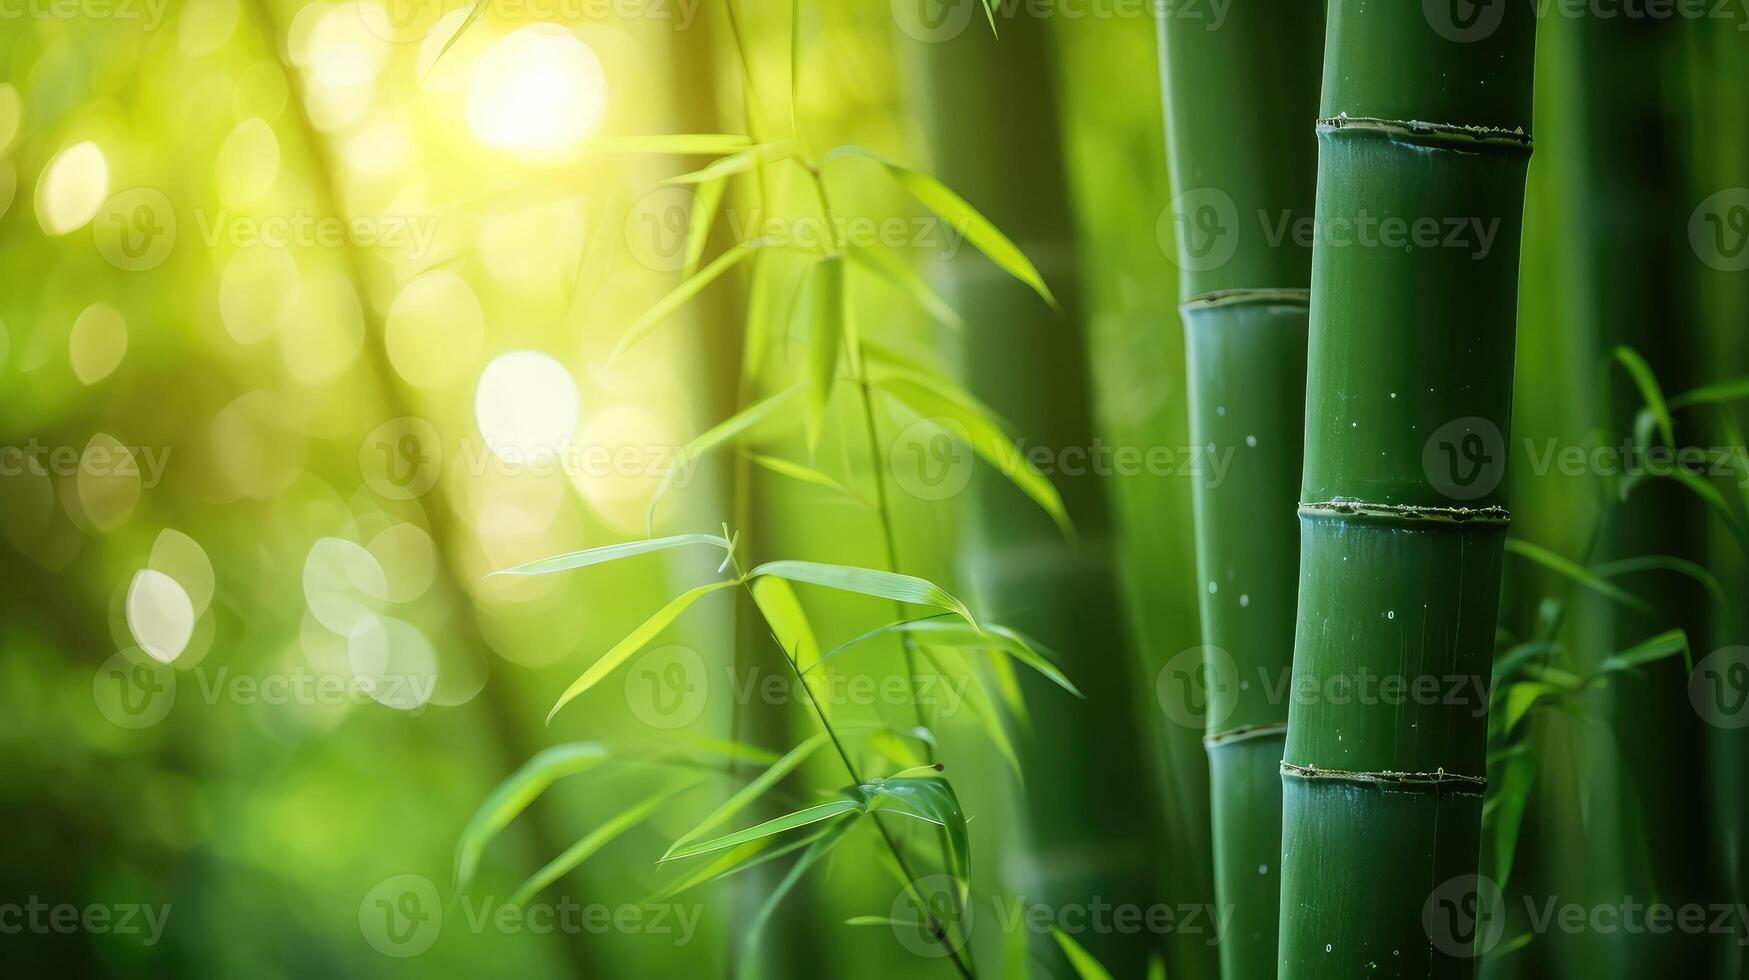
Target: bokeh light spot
[
  {"x": 526, "y": 406},
  {"x": 538, "y": 89},
  {"x": 72, "y": 187}
]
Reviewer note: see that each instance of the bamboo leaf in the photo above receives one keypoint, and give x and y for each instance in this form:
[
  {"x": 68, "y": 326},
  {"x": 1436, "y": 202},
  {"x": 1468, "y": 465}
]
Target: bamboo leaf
[
  {"x": 929, "y": 798},
  {"x": 715, "y": 436},
  {"x": 1713, "y": 394},
  {"x": 818, "y": 849},
  {"x": 806, "y": 474},
  {"x": 513, "y": 795},
  {"x": 635, "y": 641},
  {"x": 1649, "y": 651},
  {"x": 699, "y": 220},
  {"x": 1650, "y": 391},
  {"x": 1715, "y": 500},
  {"x": 688, "y": 288},
  {"x": 869, "y": 582},
  {"x": 982, "y": 707},
  {"x": 1574, "y": 571},
  {"x": 592, "y": 842},
  {"x": 746, "y": 795},
  {"x": 737, "y": 163},
  {"x": 777, "y": 825},
  {"x": 734, "y": 861},
  {"x": 608, "y": 553},
  {"x": 997, "y": 638},
  {"x": 1666, "y": 563},
  {"x": 1086, "y": 967},
  {"x": 783, "y": 612},
  {"x": 988, "y": 441},
  {"x": 896, "y": 271},
  {"x": 826, "y": 339},
  {"x": 956, "y": 211},
  {"x": 474, "y": 13}
]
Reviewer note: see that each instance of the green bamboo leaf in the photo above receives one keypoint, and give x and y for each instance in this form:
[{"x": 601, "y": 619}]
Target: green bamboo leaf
[
  {"x": 514, "y": 794},
  {"x": 1649, "y": 651},
  {"x": 724, "y": 431},
  {"x": 867, "y": 581},
  {"x": 828, "y": 312},
  {"x": 818, "y": 849},
  {"x": 1710, "y": 494},
  {"x": 783, "y": 612},
  {"x": 900, "y": 746},
  {"x": 1650, "y": 391},
  {"x": 594, "y": 841},
  {"x": 699, "y": 219},
  {"x": 688, "y": 288},
  {"x": 979, "y": 702},
  {"x": 777, "y": 825},
  {"x": 474, "y": 13},
  {"x": 891, "y": 268},
  {"x": 806, "y": 474},
  {"x": 928, "y": 798},
  {"x": 956, "y": 211},
  {"x": 1714, "y": 394},
  {"x": 1665, "y": 563},
  {"x": 738, "y": 162},
  {"x": 635, "y": 641},
  {"x": 1574, "y": 571},
  {"x": 738, "y": 859},
  {"x": 607, "y": 553},
  {"x": 988, "y": 441},
  {"x": 993, "y": 637},
  {"x": 1521, "y": 697},
  {"x": 1521, "y": 654},
  {"x": 746, "y": 795},
  {"x": 1086, "y": 967}
]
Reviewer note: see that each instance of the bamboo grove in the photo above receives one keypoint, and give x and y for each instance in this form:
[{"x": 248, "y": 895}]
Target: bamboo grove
[{"x": 1191, "y": 489}]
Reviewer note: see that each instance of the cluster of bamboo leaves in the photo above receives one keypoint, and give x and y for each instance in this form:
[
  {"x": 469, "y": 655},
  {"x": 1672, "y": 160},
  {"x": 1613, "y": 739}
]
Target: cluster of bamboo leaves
[
  {"x": 838, "y": 354},
  {"x": 1533, "y": 671}
]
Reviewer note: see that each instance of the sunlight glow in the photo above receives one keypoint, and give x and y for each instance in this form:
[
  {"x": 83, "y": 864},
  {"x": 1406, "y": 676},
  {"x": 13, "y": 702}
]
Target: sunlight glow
[
  {"x": 538, "y": 90},
  {"x": 526, "y": 406}
]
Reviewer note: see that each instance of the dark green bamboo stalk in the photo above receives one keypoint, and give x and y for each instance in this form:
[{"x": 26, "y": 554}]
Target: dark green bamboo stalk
[
  {"x": 1238, "y": 101},
  {"x": 1636, "y": 286},
  {"x": 1409, "y": 389},
  {"x": 1090, "y": 820}
]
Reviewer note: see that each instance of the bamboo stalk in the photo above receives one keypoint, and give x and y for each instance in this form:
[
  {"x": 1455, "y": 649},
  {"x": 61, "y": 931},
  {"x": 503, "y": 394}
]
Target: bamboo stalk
[
  {"x": 1090, "y": 821},
  {"x": 1403, "y": 510},
  {"x": 1238, "y": 100}
]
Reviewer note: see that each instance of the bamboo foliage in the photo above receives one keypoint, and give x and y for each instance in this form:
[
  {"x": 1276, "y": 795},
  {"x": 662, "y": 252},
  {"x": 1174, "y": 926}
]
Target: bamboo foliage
[
  {"x": 1092, "y": 832},
  {"x": 1240, "y": 156},
  {"x": 1403, "y": 511}
]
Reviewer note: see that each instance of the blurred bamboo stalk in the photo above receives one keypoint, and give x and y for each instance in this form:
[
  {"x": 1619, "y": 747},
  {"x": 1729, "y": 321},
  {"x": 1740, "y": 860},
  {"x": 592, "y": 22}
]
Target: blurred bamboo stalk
[
  {"x": 989, "y": 109},
  {"x": 1240, "y": 104}
]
